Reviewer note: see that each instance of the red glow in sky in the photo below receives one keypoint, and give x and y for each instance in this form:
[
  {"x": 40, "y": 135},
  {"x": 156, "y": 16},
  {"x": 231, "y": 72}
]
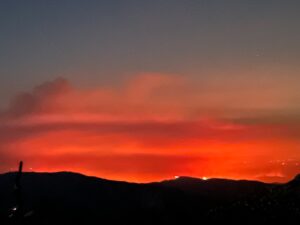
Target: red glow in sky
[{"x": 153, "y": 127}]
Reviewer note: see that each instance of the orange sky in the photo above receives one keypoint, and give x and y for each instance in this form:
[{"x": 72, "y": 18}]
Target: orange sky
[
  {"x": 152, "y": 127},
  {"x": 224, "y": 100}
]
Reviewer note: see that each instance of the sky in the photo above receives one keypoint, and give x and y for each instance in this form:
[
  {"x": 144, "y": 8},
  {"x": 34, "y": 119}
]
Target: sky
[{"x": 148, "y": 90}]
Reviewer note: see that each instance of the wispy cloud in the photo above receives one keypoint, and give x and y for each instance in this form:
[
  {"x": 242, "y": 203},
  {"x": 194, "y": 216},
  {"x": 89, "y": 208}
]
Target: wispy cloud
[{"x": 150, "y": 127}]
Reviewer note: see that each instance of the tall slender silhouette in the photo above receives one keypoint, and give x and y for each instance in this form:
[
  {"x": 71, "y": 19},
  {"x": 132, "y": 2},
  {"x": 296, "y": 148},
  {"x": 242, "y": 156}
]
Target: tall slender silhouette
[{"x": 17, "y": 210}]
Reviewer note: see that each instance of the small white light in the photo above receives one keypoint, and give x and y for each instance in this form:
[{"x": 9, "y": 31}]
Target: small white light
[
  {"x": 176, "y": 177},
  {"x": 204, "y": 178}
]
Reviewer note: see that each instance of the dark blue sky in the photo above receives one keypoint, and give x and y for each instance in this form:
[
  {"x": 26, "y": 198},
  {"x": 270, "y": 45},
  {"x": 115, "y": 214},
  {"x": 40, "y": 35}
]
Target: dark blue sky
[{"x": 104, "y": 42}]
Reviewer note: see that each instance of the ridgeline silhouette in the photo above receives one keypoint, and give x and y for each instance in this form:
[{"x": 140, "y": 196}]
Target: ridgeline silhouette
[{"x": 68, "y": 198}]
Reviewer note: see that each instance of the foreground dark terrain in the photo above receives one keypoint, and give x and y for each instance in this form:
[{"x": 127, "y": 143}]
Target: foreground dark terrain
[{"x": 68, "y": 198}]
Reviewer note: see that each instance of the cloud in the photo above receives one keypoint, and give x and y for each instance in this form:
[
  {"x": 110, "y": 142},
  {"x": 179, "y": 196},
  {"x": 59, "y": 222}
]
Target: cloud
[
  {"x": 145, "y": 96},
  {"x": 153, "y": 125},
  {"x": 41, "y": 99}
]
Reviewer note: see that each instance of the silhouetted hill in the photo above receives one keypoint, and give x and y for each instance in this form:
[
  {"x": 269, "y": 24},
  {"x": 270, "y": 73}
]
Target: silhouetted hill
[
  {"x": 217, "y": 187},
  {"x": 295, "y": 182},
  {"x": 69, "y": 198}
]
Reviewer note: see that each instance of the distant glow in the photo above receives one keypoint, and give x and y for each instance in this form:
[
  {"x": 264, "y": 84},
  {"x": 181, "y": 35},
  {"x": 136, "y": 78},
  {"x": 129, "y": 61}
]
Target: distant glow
[
  {"x": 139, "y": 132},
  {"x": 156, "y": 100}
]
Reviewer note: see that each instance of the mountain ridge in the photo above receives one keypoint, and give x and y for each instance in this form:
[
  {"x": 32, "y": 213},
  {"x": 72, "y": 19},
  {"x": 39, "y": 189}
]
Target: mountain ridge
[
  {"x": 64, "y": 198},
  {"x": 179, "y": 178}
]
